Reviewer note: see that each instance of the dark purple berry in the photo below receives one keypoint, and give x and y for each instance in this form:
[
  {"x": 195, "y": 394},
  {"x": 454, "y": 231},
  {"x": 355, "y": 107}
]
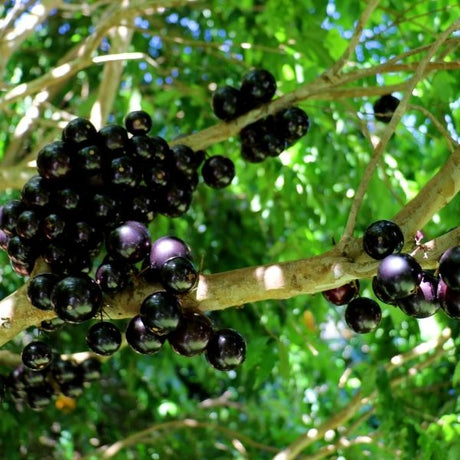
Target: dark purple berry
[
  {"x": 52, "y": 325},
  {"x": 226, "y": 350},
  {"x": 449, "y": 300},
  {"x": 37, "y": 355},
  {"x": 382, "y": 238},
  {"x": 113, "y": 139},
  {"x": 178, "y": 275},
  {"x": 384, "y": 107},
  {"x": 165, "y": 248},
  {"x": 90, "y": 369},
  {"x": 161, "y": 312},
  {"x": 449, "y": 267},
  {"x": 424, "y": 301},
  {"x": 76, "y": 298},
  {"x": 9, "y": 215},
  {"x": 227, "y": 103},
  {"x": 130, "y": 242},
  {"x": 192, "y": 335},
  {"x": 343, "y": 294},
  {"x": 36, "y": 192},
  {"x": 104, "y": 338},
  {"x": 141, "y": 339},
  {"x": 258, "y": 86},
  {"x": 40, "y": 288},
  {"x": 218, "y": 171},
  {"x": 113, "y": 276},
  {"x": 80, "y": 132},
  {"x": 138, "y": 122},
  {"x": 54, "y": 161},
  {"x": 399, "y": 275},
  {"x": 292, "y": 123},
  {"x": 380, "y": 292},
  {"x": 28, "y": 224},
  {"x": 363, "y": 315},
  {"x": 38, "y": 398}
]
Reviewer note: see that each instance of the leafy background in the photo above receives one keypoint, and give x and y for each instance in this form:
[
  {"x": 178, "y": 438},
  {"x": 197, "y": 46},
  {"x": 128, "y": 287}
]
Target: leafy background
[{"x": 304, "y": 367}]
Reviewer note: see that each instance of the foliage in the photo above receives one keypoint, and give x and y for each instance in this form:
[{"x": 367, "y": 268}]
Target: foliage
[{"x": 307, "y": 381}]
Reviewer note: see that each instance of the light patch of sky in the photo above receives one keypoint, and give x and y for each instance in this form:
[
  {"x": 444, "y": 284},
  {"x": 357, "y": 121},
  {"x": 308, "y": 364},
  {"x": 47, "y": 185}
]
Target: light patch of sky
[
  {"x": 142, "y": 23},
  {"x": 148, "y": 77},
  {"x": 64, "y": 28}
]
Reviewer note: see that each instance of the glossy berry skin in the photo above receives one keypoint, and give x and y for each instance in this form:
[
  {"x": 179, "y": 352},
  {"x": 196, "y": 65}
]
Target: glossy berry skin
[
  {"x": 36, "y": 192},
  {"x": 380, "y": 292},
  {"x": 449, "y": 267},
  {"x": 21, "y": 251},
  {"x": 40, "y": 288},
  {"x": 54, "y": 161},
  {"x": 129, "y": 242},
  {"x": 141, "y": 339},
  {"x": 9, "y": 215},
  {"x": 192, "y": 335},
  {"x": 112, "y": 276},
  {"x": 63, "y": 370},
  {"x": 424, "y": 302},
  {"x": 38, "y": 398},
  {"x": 28, "y": 224},
  {"x": 178, "y": 275},
  {"x": 104, "y": 338},
  {"x": 138, "y": 122},
  {"x": 384, "y": 107},
  {"x": 161, "y": 312},
  {"x": 113, "y": 139},
  {"x": 80, "y": 132},
  {"x": 218, "y": 171},
  {"x": 226, "y": 350},
  {"x": 37, "y": 355},
  {"x": 449, "y": 300},
  {"x": 343, "y": 294},
  {"x": 383, "y": 238},
  {"x": 363, "y": 315},
  {"x": 258, "y": 86},
  {"x": 399, "y": 275},
  {"x": 90, "y": 369},
  {"x": 227, "y": 103},
  {"x": 292, "y": 123},
  {"x": 167, "y": 247},
  {"x": 76, "y": 298}
]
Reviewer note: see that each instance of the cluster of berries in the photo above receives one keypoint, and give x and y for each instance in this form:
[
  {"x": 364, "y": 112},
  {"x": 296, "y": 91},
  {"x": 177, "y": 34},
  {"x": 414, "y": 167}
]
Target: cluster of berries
[
  {"x": 400, "y": 281},
  {"x": 269, "y": 136},
  {"x": 44, "y": 376}
]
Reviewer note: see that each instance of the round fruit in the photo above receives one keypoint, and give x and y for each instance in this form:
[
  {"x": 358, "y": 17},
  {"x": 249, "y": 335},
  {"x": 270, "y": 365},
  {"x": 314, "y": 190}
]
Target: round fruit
[
  {"x": 40, "y": 288},
  {"x": 399, "y": 275},
  {"x": 79, "y": 131},
  {"x": 104, "y": 338},
  {"x": 112, "y": 276},
  {"x": 227, "y": 103},
  {"x": 192, "y": 335},
  {"x": 76, "y": 298},
  {"x": 54, "y": 161},
  {"x": 90, "y": 369},
  {"x": 363, "y": 315},
  {"x": 343, "y": 294},
  {"x": 130, "y": 242},
  {"x": 380, "y": 292},
  {"x": 449, "y": 300},
  {"x": 218, "y": 171},
  {"x": 292, "y": 123},
  {"x": 226, "y": 349},
  {"x": 37, "y": 355},
  {"x": 178, "y": 275},
  {"x": 39, "y": 397},
  {"x": 141, "y": 339},
  {"x": 64, "y": 371},
  {"x": 165, "y": 248},
  {"x": 384, "y": 108},
  {"x": 138, "y": 122},
  {"x": 424, "y": 302},
  {"x": 161, "y": 312},
  {"x": 114, "y": 139},
  {"x": 449, "y": 267},
  {"x": 258, "y": 86},
  {"x": 382, "y": 238},
  {"x": 52, "y": 325}
]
